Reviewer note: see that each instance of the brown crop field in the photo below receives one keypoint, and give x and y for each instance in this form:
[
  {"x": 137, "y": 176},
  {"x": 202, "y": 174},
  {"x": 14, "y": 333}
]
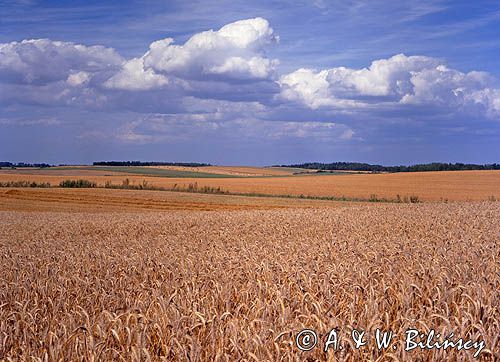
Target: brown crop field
[
  {"x": 235, "y": 285},
  {"x": 104, "y": 200},
  {"x": 428, "y": 186}
]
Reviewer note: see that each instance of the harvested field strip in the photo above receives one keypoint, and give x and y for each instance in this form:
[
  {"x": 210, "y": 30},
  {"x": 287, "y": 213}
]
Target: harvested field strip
[
  {"x": 193, "y": 188},
  {"x": 54, "y": 199},
  {"x": 109, "y": 201}
]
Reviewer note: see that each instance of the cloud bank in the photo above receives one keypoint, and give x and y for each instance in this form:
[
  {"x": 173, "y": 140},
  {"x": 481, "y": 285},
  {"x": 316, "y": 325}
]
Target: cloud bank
[
  {"x": 399, "y": 80},
  {"x": 222, "y": 82},
  {"x": 42, "y": 61}
]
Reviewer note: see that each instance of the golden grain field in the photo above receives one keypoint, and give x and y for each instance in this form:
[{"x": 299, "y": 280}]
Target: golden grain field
[
  {"x": 237, "y": 285},
  {"x": 428, "y": 186}
]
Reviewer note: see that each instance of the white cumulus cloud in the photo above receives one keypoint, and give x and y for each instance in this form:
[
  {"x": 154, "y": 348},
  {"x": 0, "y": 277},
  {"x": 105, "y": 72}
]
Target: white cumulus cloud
[
  {"x": 234, "y": 52},
  {"x": 399, "y": 80},
  {"x": 42, "y": 61},
  {"x": 78, "y": 78},
  {"x": 133, "y": 76}
]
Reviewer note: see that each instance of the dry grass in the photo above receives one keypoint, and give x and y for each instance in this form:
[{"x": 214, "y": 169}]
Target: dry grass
[
  {"x": 428, "y": 186},
  {"x": 238, "y": 285}
]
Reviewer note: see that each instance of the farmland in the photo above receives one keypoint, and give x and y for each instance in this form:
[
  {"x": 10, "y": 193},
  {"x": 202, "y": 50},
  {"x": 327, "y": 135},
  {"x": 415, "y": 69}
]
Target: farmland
[
  {"x": 109, "y": 200},
  {"x": 428, "y": 186},
  {"x": 124, "y": 170},
  {"x": 239, "y": 284},
  {"x": 238, "y": 170},
  {"x": 118, "y": 274}
]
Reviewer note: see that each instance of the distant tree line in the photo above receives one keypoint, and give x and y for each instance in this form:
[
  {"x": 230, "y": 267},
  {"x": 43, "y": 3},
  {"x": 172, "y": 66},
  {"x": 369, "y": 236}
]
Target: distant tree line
[
  {"x": 140, "y": 163},
  {"x": 22, "y": 164},
  {"x": 357, "y": 166}
]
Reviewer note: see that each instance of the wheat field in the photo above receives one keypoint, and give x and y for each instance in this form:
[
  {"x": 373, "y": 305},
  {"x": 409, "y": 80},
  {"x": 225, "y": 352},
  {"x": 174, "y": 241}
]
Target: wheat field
[{"x": 238, "y": 285}]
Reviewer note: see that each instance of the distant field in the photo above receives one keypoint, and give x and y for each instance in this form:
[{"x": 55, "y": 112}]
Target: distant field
[
  {"x": 428, "y": 186},
  {"x": 104, "y": 200},
  {"x": 157, "y": 171},
  {"x": 291, "y": 170},
  {"x": 244, "y": 171},
  {"x": 165, "y": 171}
]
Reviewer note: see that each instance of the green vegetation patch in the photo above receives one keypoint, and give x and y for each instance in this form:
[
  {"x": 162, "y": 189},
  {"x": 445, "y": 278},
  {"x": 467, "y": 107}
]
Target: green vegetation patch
[
  {"x": 77, "y": 184},
  {"x": 149, "y": 171}
]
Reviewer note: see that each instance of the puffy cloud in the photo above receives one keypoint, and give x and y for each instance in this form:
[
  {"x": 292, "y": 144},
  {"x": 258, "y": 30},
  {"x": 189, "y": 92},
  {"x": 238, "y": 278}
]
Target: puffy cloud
[
  {"x": 389, "y": 78},
  {"x": 42, "y": 61},
  {"x": 249, "y": 33},
  {"x": 235, "y": 51},
  {"x": 311, "y": 88},
  {"x": 399, "y": 80},
  {"x": 239, "y": 67},
  {"x": 55, "y": 73},
  {"x": 385, "y": 77},
  {"x": 441, "y": 85},
  {"x": 78, "y": 78},
  {"x": 133, "y": 76},
  {"x": 488, "y": 98},
  {"x": 72, "y": 92}
]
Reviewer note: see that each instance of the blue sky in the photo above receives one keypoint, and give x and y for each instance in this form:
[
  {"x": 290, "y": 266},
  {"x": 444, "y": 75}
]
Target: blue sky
[{"x": 238, "y": 82}]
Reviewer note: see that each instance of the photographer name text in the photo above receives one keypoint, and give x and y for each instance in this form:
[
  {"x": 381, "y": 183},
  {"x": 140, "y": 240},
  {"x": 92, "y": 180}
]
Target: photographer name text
[{"x": 307, "y": 340}]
